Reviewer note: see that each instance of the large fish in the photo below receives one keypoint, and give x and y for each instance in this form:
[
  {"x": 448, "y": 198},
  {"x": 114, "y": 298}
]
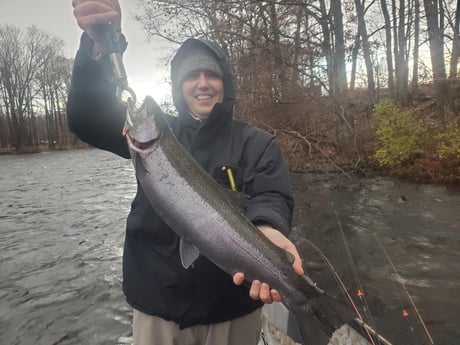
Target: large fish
[{"x": 210, "y": 222}]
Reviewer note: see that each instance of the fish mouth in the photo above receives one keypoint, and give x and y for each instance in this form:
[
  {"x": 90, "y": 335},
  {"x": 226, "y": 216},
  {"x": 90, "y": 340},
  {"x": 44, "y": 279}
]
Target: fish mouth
[{"x": 139, "y": 145}]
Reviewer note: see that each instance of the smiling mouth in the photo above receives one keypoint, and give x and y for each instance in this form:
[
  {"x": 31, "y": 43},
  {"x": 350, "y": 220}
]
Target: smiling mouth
[{"x": 204, "y": 97}]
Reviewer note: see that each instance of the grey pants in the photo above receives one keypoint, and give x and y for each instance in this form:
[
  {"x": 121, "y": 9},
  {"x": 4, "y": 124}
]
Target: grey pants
[{"x": 152, "y": 330}]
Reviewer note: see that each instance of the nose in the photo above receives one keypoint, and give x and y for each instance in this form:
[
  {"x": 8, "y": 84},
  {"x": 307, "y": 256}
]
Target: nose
[{"x": 202, "y": 80}]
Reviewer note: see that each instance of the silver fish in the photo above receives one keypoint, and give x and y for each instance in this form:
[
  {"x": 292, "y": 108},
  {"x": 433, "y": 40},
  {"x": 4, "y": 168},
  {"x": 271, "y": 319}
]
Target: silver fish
[{"x": 189, "y": 201}]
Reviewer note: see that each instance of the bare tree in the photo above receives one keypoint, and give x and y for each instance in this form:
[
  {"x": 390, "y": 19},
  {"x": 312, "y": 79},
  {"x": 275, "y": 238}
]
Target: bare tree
[
  {"x": 10, "y": 48},
  {"x": 281, "y": 45},
  {"x": 362, "y": 31},
  {"x": 400, "y": 13},
  {"x": 416, "y": 46},
  {"x": 340, "y": 86},
  {"x": 455, "y": 44},
  {"x": 435, "y": 22},
  {"x": 388, "y": 44},
  {"x": 52, "y": 83},
  {"x": 23, "y": 57},
  {"x": 434, "y": 16}
]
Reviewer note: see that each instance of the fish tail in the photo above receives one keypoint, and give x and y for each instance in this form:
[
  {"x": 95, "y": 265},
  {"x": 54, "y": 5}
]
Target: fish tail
[{"x": 309, "y": 330}]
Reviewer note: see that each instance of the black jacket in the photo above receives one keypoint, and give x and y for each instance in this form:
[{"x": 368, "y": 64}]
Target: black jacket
[{"x": 154, "y": 280}]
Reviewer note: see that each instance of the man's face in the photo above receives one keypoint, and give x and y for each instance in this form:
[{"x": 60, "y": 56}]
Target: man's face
[{"x": 202, "y": 90}]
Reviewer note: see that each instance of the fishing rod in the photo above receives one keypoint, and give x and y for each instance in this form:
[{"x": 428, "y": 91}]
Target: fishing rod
[
  {"x": 341, "y": 285},
  {"x": 360, "y": 291},
  {"x": 364, "y": 328},
  {"x": 411, "y": 300}
]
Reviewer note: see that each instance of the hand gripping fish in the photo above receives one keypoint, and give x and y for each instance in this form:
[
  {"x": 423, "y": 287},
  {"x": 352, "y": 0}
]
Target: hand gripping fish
[{"x": 209, "y": 222}]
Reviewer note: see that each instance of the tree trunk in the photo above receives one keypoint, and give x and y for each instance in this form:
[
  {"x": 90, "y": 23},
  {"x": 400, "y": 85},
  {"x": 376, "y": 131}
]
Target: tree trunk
[
  {"x": 401, "y": 60},
  {"x": 416, "y": 47},
  {"x": 435, "y": 38},
  {"x": 339, "y": 51},
  {"x": 367, "y": 52},
  {"x": 455, "y": 44},
  {"x": 327, "y": 45},
  {"x": 389, "y": 54},
  {"x": 437, "y": 56}
]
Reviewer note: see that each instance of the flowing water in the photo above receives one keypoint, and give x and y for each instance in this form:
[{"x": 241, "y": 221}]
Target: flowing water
[
  {"x": 62, "y": 229},
  {"x": 62, "y": 220},
  {"x": 395, "y": 241}
]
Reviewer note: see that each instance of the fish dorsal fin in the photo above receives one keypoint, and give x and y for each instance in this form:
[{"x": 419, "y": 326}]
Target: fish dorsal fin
[{"x": 188, "y": 253}]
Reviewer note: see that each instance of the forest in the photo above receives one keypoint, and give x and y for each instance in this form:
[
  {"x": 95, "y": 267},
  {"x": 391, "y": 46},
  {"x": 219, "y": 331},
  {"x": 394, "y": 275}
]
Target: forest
[
  {"x": 349, "y": 86},
  {"x": 34, "y": 83}
]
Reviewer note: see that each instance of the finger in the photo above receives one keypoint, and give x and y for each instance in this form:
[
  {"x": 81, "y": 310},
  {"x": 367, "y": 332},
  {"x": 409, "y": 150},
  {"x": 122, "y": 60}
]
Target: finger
[
  {"x": 111, "y": 3},
  {"x": 265, "y": 295},
  {"x": 276, "y": 297},
  {"x": 85, "y": 7},
  {"x": 91, "y": 13},
  {"x": 297, "y": 264},
  {"x": 238, "y": 278},
  {"x": 284, "y": 243},
  {"x": 254, "y": 291},
  {"x": 116, "y": 5}
]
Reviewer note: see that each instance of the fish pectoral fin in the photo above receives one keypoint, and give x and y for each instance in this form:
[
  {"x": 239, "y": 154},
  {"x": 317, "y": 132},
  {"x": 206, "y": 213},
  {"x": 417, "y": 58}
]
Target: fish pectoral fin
[{"x": 188, "y": 253}]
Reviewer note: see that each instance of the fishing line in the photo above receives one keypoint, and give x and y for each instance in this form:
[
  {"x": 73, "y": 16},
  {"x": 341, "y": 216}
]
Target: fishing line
[
  {"x": 427, "y": 333},
  {"x": 361, "y": 295},
  {"x": 343, "y": 288},
  {"x": 403, "y": 305}
]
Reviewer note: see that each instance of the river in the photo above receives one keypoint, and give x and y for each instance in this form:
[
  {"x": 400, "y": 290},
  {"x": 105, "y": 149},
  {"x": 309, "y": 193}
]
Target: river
[{"x": 62, "y": 229}]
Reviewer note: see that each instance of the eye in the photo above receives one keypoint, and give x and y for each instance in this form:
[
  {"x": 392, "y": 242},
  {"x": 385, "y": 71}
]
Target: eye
[
  {"x": 193, "y": 75},
  {"x": 211, "y": 75}
]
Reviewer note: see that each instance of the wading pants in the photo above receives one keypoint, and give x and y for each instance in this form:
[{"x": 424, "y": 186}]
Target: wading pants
[{"x": 152, "y": 330}]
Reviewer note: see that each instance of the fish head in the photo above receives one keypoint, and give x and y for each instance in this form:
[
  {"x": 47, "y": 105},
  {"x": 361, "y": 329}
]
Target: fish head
[{"x": 141, "y": 129}]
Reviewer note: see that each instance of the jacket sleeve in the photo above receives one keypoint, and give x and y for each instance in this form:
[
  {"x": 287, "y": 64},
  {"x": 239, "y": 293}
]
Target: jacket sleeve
[
  {"x": 93, "y": 111},
  {"x": 271, "y": 199}
]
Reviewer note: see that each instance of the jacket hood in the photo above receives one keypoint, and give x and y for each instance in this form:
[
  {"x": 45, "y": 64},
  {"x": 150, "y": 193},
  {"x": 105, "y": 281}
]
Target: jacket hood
[{"x": 182, "y": 53}]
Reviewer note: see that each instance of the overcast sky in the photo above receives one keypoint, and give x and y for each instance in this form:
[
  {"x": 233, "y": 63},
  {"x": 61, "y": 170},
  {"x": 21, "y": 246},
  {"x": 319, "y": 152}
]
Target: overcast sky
[{"x": 145, "y": 63}]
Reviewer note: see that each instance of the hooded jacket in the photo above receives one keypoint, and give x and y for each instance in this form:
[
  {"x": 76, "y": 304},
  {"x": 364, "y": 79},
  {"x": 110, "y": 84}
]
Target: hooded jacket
[{"x": 154, "y": 280}]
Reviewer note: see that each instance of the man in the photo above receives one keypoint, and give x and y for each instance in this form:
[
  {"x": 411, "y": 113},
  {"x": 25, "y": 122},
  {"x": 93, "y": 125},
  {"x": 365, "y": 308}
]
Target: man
[{"x": 202, "y": 304}]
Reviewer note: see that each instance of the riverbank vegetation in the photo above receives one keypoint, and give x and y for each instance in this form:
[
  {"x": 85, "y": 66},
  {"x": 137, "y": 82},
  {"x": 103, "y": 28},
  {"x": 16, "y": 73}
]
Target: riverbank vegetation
[
  {"x": 345, "y": 86},
  {"x": 408, "y": 145}
]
